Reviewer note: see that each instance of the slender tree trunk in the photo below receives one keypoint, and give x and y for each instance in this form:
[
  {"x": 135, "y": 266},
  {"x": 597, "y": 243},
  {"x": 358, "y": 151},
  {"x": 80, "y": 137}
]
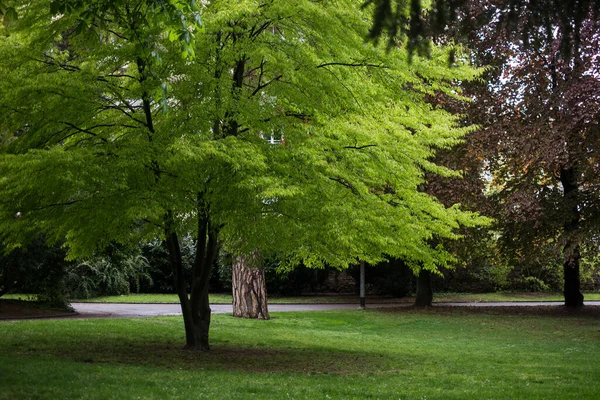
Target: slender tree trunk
[
  {"x": 424, "y": 297},
  {"x": 249, "y": 288},
  {"x": 571, "y": 250},
  {"x": 195, "y": 308},
  {"x": 172, "y": 241}
]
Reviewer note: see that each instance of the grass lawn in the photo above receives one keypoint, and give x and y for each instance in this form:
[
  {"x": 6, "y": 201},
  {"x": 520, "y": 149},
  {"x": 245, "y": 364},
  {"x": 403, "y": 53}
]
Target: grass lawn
[
  {"x": 438, "y": 297},
  {"x": 505, "y": 296},
  {"x": 392, "y": 354}
]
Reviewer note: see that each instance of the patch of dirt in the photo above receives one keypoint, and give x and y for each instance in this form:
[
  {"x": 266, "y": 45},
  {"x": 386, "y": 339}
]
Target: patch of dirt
[{"x": 16, "y": 309}]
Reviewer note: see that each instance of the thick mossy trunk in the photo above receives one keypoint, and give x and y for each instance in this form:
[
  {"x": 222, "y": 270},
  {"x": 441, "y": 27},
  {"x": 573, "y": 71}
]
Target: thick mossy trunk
[
  {"x": 249, "y": 288},
  {"x": 424, "y": 297},
  {"x": 571, "y": 249},
  {"x": 195, "y": 308}
]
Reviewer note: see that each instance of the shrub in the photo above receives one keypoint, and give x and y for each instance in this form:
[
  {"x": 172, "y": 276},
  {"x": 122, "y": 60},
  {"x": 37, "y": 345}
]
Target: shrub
[
  {"x": 37, "y": 268},
  {"x": 116, "y": 271}
]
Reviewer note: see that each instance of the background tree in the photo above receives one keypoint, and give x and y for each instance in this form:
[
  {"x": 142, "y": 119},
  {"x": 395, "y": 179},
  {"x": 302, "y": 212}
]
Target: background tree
[
  {"x": 540, "y": 112},
  {"x": 118, "y": 139},
  {"x": 421, "y": 22},
  {"x": 38, "y": 269},
  {"x": 249, "y": 287}
]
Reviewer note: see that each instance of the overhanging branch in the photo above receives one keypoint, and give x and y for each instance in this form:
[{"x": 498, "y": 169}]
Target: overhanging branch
[
  {"x": 353, "y": 64},
  {"x": 360, "y": 147},
  {"x": 346, "y": 184}
]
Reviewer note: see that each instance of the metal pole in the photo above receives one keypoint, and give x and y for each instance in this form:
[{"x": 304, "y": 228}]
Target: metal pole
[{"x": 363, "y": 300}]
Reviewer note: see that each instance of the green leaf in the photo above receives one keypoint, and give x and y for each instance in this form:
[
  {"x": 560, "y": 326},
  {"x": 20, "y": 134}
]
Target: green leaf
[
  {"x": 305, "y": 142},
  {"x": 11, "y": 14},
  {"x": 56, "y": 7}
]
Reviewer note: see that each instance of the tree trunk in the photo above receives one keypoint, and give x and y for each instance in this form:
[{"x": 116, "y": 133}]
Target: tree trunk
[
  {"x": 249, "y": 288},
  {"x": 195, "y": 308},
  {"x": 572, "y": 288},
  {"x": 424, "y": 297},
  {"x": 571, "y": 249}
]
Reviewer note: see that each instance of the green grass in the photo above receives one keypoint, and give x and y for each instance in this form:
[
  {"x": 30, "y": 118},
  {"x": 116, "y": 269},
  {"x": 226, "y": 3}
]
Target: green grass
[
  {"x": 226, "y": 298},
  {"x": 407, "y": 354},
  {"x": 506, "y": 296}
]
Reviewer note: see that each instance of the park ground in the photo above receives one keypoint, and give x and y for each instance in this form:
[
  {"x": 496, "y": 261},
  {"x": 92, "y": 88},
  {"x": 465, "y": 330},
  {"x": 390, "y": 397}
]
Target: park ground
[
  {"x": 406, "y": 353},
  {"x": 25, "y": 305},
  {"x": 226, "y": 298}
]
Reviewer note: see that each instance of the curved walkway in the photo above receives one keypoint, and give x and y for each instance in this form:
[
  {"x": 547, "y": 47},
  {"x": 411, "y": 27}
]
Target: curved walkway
[{"x": 128, "y": 310}]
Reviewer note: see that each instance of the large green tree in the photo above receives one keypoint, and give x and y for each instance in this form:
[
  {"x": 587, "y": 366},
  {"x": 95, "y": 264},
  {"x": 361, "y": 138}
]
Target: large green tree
[{"x": 272, "y": 127}]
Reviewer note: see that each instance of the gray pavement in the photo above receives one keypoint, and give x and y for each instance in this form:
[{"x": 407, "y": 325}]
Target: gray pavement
[
  {"x": 128, "y": 310},
  {"x": 151, "y": 310}
]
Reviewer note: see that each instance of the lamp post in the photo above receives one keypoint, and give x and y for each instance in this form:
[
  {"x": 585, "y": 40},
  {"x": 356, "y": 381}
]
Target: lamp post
[{"x": 363, "y": 300}]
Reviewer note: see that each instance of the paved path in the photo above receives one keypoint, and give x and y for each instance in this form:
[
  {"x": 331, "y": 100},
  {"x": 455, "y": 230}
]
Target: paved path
[{"x": 115, "y": 310}]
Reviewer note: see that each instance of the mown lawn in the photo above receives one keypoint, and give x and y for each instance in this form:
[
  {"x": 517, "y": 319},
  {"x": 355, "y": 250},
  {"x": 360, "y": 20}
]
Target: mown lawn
[{"x": 392, "y": 354}]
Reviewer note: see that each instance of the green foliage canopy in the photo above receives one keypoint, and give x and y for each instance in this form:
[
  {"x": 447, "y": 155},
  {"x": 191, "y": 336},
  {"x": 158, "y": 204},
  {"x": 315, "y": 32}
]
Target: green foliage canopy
[{"x": 108, "y": 129}]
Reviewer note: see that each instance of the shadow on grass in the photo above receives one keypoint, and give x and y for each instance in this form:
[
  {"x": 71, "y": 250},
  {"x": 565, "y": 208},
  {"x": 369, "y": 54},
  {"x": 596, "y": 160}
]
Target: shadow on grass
[
  {"x": 157, "y": 343},
  {"x": 21, "y": 309},
  {"x": 220, "y": 357}
]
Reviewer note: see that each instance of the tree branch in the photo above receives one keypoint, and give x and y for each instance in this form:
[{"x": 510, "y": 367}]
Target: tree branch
[
  {"x": 87, "y": 130},
  {"x": 259, "y": 87},
  {"x": 52, "y": 62},
  {"x": 360, "y": 147},
  {"x": 346, "y": 184},
  {"x": 257, "y": 31},
  {"x": 360, "y": 64},
  {"x": 68, "y": 203}
]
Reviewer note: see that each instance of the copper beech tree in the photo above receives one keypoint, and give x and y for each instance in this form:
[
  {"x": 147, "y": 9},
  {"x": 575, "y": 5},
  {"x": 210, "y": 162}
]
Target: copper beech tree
[
  {"x": 540, "y": 112},
  {"x": 535, "y": 155}
]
